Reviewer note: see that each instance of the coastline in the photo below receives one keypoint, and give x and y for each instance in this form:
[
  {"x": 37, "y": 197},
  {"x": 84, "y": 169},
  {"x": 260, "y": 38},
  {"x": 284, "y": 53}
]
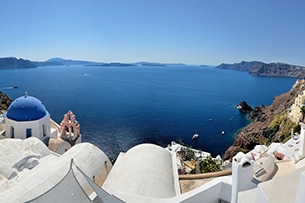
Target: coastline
[
  {"x": 255, "y": 132},
  {"x": 126, "y": 113}
]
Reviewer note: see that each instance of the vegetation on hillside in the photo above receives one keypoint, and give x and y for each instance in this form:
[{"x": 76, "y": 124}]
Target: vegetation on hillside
[{"x": 280, "y": 129}]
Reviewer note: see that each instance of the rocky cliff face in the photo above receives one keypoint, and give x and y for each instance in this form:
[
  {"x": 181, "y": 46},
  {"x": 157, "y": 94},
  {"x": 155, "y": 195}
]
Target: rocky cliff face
[
  {"x": 278, "y": 69},
  {"x": 264, "y": 69},
  {"x": 262, "y": 116},
  {"x": 12, "y": 63},
  {"x": 242, "y": 66},
  {"x": 5, "y": 101}
]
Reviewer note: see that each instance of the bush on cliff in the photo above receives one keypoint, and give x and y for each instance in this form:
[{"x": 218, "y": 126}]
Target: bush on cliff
[{"x": 280, "y": 129}]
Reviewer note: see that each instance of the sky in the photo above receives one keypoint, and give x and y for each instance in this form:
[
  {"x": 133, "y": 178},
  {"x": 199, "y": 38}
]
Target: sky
[{"x": 198, "y": 32}]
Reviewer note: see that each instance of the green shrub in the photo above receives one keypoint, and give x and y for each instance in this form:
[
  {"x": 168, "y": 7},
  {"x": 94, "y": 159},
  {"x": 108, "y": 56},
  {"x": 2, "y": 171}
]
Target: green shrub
[{"x": 209, "y": 165}]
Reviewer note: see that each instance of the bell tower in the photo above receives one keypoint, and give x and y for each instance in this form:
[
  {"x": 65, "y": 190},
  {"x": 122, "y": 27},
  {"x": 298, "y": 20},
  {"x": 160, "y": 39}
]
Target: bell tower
[{"x": 70, "y": 128}]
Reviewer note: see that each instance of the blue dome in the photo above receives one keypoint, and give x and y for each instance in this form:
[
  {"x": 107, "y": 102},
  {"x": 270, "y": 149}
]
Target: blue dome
[{"x": 26, "y": 108}]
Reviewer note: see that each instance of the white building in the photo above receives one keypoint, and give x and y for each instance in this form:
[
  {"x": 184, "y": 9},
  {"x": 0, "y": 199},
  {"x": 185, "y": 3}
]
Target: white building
[
  {"x": 27, "y": 117},
  {"x": 147, "y": 171},
  {"x": 32, "y": 172},
  {"x": 296, "y": 113}
]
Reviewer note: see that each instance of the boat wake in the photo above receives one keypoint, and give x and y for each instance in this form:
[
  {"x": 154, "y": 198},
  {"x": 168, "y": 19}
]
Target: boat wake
[{"x": 7, "y": 88}]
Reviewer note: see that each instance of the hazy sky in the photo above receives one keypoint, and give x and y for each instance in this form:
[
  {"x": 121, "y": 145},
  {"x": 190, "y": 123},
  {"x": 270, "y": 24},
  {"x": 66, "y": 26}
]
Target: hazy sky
[{"x": 186, "y": 31}]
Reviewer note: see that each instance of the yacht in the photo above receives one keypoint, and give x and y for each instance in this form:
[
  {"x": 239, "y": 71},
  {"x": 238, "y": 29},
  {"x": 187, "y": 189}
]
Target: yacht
[{"x": 195, "y": 136}]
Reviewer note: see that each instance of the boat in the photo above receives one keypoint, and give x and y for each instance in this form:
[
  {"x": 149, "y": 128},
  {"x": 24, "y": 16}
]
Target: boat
[
  {"x": 223, "y": 132},
  {"x": 195, "y": 136},
  {"x": 210, "y": 119}
]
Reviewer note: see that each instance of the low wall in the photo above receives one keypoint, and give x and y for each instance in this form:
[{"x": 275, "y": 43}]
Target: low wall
[{"x": 205, "y": 175}]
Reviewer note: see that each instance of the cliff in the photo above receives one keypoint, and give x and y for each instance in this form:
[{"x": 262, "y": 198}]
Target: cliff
[
  {"x": 5, "y": 101},
  {"x": 242, "y": 66},
  {"x": 13, "y": 63},
  {"x": 269, "y": 123},
  {"x": 264, "y": 69}
]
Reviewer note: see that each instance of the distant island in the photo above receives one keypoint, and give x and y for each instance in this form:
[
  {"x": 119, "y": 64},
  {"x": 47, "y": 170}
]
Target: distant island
[
  {"x": 254, "y": 67},
  {"x": 112, "y": 64},
  {"x": 149, "y": 64},
  {"x": 63, "y": 62},
  {"x": 14, "y": 63},
  {"x": 266, "y": 69}
]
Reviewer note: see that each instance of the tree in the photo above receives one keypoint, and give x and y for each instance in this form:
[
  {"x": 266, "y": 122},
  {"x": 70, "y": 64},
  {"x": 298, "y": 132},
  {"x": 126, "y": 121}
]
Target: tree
[
  {"x": 297, "y": 129},
  {"x": 303, "y": 112},
  {"x": 208, "y": 165}
]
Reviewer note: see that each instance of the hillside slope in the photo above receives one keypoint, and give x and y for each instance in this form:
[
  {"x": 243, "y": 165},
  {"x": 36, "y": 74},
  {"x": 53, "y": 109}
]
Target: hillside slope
[{"x": 259, "y": 131}]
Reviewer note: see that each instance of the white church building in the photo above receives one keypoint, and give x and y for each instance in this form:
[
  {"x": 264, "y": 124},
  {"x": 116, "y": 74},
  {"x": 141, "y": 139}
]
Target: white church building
[
  {"x": 41, "y": 161},
  {"x": 27, "y": 117}
]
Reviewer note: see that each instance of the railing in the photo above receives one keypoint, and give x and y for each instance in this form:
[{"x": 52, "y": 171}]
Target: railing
[{"x": 205, "y": 175}]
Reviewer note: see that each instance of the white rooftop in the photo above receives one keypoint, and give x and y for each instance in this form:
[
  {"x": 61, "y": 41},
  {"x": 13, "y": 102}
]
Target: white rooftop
[
  {"x": 145, "y": 170},
  {"x": 28, "y": 169}
]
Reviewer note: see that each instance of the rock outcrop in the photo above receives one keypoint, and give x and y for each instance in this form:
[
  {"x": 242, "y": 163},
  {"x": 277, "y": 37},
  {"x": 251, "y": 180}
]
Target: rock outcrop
[
  {"x": 257, "y": 131},
  {"x": 243, "y": 107},
  {"x": 265, "y": 69}
]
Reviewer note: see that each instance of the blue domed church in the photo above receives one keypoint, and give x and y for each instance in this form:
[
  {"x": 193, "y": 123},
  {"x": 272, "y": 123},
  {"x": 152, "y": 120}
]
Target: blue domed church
[{"x": 27, "y": 117}]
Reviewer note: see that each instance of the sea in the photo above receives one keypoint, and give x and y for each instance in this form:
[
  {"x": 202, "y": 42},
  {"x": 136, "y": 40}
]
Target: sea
[{"x": 120, "y": 107}]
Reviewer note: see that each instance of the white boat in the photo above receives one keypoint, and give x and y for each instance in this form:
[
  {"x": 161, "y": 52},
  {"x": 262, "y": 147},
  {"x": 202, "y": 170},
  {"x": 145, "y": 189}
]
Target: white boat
[
  {"x": 223, "y": 132},
  {"x": 195, "y": 136}
]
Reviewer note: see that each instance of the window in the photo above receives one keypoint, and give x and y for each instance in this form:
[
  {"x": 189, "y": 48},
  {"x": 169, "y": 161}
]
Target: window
[
  {"x": 246, "y": 164},
  {"x": 43, "y": 130},
  {"x": 28, "y": 132},
  {"x": 12, "y": 132}
]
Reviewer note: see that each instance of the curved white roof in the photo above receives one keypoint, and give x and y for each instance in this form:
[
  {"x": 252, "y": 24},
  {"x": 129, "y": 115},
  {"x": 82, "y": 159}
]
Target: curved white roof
[
  {"x": 145, "y": 170},
  {"x": 14, "y": 151},
  {"x": 38, "y": 170}
]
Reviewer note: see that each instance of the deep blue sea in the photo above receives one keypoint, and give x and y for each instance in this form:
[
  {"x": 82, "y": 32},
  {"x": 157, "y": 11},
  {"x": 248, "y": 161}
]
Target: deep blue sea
[{"x": 119, "y": 107}]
